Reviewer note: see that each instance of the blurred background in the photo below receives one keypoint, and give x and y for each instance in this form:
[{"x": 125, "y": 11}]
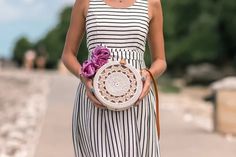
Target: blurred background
[{"x": 196, "y": 93}]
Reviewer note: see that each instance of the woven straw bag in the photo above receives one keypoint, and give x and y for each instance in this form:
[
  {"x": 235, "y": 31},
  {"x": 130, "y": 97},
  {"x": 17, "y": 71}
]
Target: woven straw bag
[{"x": 117, "y": 85}]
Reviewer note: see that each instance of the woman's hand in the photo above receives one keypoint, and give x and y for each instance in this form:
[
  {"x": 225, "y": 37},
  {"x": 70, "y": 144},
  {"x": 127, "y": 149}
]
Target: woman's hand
[
  {"x": 146, "y": 86},
  {"x": 88, "y": 83}
]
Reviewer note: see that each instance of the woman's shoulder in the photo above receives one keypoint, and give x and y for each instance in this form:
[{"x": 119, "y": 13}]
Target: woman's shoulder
[
  {"x": 82, "y": 5},
  {"x": 153, "y": 5}
]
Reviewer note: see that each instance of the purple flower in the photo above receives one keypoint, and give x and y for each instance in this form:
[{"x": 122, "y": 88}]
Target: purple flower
[
  {"x": 99, "y": 57},
  {"x": 101, "y": 52},
  {"x": 98, "y": 62},
  {"x": 88, "y": 69}
]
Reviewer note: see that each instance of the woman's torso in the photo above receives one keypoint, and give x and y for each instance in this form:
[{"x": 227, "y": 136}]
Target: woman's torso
[{"x": 123, "y": 30}]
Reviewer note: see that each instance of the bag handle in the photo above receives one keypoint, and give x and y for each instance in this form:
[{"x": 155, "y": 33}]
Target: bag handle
[{"x": 157, "y": 102}]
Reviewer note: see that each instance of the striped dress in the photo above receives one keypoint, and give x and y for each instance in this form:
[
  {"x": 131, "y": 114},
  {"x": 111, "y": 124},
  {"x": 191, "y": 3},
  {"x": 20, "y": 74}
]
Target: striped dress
[{"x": 98, "y": 132}]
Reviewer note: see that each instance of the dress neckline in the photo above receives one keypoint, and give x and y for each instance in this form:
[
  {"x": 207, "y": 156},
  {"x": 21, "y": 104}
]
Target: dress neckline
[{"x": 120, "y": 7}]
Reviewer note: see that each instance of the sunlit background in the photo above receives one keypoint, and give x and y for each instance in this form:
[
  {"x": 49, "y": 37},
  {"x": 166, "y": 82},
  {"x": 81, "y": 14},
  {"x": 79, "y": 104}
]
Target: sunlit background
[{"x": 196, "y": 93}]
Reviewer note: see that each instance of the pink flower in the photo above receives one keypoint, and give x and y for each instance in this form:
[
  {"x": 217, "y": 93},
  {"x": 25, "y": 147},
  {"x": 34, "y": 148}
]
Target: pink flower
[
  {"x": 101, "y": 52},
  {"x": 98, "y": 62},
  {"x": 99, "y": 57},
  {"x": 88, "y": 69}
]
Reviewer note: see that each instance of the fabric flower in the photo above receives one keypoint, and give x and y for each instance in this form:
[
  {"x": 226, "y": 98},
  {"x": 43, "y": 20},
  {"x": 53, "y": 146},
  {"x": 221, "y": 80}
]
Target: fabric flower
[
  {"x": 101, "y": 52},
  {"x": 98, "y": 62},
  {"x": 99, "y": 57},
  {"x": 88, "y": 69}
]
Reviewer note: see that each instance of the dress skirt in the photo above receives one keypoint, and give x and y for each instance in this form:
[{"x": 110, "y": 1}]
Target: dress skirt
[{"x": 98, "y": 132}]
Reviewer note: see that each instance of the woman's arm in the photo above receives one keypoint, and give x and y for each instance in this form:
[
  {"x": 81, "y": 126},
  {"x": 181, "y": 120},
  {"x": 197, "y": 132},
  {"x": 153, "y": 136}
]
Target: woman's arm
[
  {"x": 74, "y": 37},
  {"x": 73, "y": 40},
  {"x": 156, "y": 39},
  {"x": 156, "y": 46}
]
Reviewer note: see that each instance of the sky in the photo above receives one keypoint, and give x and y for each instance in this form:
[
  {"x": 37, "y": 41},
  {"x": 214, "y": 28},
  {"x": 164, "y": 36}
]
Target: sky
[{"x": 31, "y": 18}]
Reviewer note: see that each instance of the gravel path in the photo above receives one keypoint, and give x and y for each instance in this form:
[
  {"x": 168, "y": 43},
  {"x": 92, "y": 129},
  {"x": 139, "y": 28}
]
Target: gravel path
[
  {"x": 22, "y": 107},
  {"x": 36, "y": 108}
]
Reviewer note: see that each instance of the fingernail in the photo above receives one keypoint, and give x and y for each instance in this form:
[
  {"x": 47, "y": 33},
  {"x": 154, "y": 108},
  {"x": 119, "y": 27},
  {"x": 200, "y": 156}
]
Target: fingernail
[
  {"x": 143, "y": 78},
  {"x": 92, "y": 90}
]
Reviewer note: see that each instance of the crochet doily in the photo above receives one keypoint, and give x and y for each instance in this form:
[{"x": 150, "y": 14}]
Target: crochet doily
[{"x": 117, "y": 85}]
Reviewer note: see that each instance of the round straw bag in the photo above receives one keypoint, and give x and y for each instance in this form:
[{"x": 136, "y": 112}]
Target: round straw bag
[{"x": 117, "y": 85}]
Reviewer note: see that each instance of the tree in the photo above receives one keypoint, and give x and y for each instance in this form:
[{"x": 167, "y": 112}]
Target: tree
[
  {"x": 21, "y": 46},
  {"x": 194, "y": 32},
  {"x": 54, "y": 40},
  {"x": 199, "y": 31}
]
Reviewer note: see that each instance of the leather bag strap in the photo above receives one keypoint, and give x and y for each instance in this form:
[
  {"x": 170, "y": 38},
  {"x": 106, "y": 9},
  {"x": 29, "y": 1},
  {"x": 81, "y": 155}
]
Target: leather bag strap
[{"x": 157, "y": 103}]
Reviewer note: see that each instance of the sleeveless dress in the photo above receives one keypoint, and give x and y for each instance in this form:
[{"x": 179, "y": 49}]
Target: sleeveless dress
[{"x": 98, "y": 132}]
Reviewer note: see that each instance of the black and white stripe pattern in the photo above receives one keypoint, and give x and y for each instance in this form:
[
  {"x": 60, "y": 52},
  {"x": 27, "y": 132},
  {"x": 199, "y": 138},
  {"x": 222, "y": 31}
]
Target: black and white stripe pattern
[
  {"x": 101, "y": 132},
  {"x": 117, "y": 27}
]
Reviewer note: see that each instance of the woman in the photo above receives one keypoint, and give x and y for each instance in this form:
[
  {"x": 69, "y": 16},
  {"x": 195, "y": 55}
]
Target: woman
[{"x": 123, "y": 26}]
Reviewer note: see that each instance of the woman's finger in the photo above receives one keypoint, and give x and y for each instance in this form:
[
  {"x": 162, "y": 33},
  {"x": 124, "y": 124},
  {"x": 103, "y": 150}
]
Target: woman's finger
[
  {"x": 146, "y": 87},
  {"x": 100, "y": 106},
  {"x": 141, "y": 97},
  {"x": 89, "y": 83},
  {"x": 89, "y": 87},
  {"x": 94, "y": 100}
]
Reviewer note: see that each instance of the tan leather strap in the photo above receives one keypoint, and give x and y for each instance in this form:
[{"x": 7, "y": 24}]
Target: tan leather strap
[{"x": 157, "y": 103}]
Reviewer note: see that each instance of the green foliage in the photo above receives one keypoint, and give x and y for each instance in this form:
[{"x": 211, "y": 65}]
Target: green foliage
[
  {"x": 55, "y": 38},
  {"x": 83, "y": 50},
  {"x": 54, "y": 41},
  {"x": 21, "y": 46},
  {"x": 194, "y": 31},
  {"x": 147, "y": 56},
  {"x": 199, "y": 31},
  {"x": 227, "y": 25}
]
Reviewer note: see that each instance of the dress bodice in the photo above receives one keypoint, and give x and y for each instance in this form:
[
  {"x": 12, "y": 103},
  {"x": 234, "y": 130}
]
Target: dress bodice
[{"x": 117, "y": 28}]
